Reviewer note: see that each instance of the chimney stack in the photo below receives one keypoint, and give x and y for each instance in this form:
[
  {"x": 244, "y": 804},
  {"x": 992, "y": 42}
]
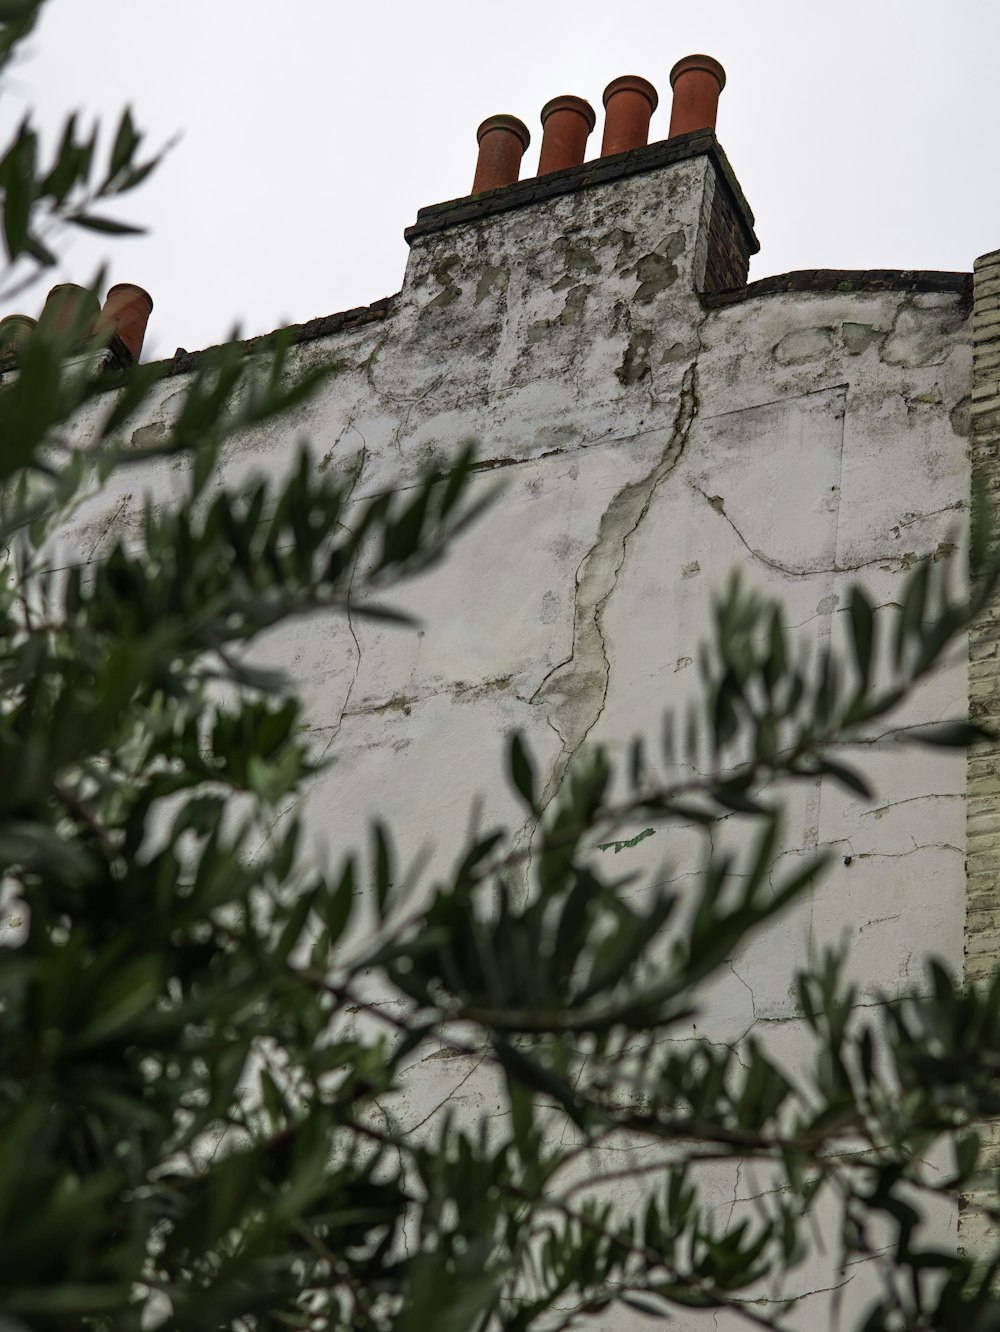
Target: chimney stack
[
  {"x": 502, "y": 144},
  {"x": 566, "y": 125},
  {"x": 697, "y": 81},
  {"x": 629, "y": 104}
]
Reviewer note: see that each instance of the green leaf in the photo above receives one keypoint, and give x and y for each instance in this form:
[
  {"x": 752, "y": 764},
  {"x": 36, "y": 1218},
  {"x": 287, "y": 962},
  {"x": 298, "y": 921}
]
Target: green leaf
[
  {"x": 522, "y": 772},
  {"x": 967, "y": 1148},
  {"x": 862, "y": 632},
  {"x": 334, "y": 908},
  {"x": 126, "y": 142},
  {"x": 107, "y": 226},
  {"x": 847, "y": 777},
  {"x": 948, "y": 735},
  {"x": 383, "y": 868},
  {"x": 19, "y": 191},
  {"x": 631, "y": 841}
]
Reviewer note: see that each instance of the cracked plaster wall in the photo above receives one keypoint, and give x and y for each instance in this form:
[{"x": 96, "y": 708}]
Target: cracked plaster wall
[{"x": 646, "y": 446}]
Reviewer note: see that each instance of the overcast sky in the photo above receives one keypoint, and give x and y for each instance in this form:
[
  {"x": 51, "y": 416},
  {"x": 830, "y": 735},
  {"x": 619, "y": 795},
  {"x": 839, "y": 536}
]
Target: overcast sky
[{"x": 864, "y": 132}]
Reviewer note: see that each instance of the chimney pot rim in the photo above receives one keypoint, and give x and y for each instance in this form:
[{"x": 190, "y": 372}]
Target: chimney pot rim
[
  {"x": 569, "y": 102},
  {"x": 703, "y": 62},
  {"x": 134, "y": 289},
  {"x": 633, "y": 83},
  {"x": 505, "y": 122},
  {"x": 68, "y": 286}
]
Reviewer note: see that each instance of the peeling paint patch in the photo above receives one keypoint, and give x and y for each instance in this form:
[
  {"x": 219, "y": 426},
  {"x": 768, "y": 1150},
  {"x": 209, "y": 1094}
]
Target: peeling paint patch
[
  {"x": 443, "y": 270},
  {"x": 657, "y": 271},
  {"x": 689, "y": 570},
  {"x": 917, "y": 338},
  {"x": 677, "y": 351},
  {"x": 149, "y": 436},
  {"x": 635, "y": 362},
  {"x": 491, "y": 280},
  {"x": 803, "y": 344},
  {"x": 570, "y": 314},
  {"x": 576, "y": 299},
  {"x": 625, "y": 241},
  {"x": 577, "y": 257},
  {"x": 858, "y": 338}
]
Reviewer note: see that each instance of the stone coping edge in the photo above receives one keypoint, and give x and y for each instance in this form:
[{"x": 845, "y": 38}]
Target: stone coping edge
[{"x": 845, "y": 280}]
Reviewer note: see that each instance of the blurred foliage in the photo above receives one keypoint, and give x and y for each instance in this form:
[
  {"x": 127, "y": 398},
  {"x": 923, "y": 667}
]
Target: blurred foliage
[{"x": 203, "y": 1038}]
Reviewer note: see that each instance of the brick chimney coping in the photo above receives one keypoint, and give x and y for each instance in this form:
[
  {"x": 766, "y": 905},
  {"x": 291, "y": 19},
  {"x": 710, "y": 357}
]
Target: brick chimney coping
[{"x": 600, "y": 171}]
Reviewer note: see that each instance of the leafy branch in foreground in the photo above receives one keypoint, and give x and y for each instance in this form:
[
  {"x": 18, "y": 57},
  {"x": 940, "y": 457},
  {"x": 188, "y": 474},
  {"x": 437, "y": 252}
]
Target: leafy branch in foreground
[
  {"x": 205, "y": 1041},
  {"x": 190, "y": 995},
  {"x": 38, "y": 198}
]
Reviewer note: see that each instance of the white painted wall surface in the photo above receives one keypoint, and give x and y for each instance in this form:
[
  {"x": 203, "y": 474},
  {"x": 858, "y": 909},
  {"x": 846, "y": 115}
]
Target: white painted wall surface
[{"x": 646, "y": 446}]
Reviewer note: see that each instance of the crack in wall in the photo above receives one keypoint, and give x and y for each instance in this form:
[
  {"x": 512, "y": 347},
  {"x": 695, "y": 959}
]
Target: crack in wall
[
  {"x": 576, "y": 689},
  {"x": 748, "y": 988},
  {"x": 456, "y": 689},
  {"x": 889, "y": 563},
  {"x": 909, "y": 800},
  {"x": 336, "y": 727},
  {"x": 439, "y": 1106},
  {"x": 107, "y": 526}
]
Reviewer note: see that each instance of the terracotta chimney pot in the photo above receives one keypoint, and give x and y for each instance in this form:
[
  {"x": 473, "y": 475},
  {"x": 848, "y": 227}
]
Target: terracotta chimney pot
[
  {"x": 629, "y": 103},
  {"x": 126, "y": 313},
  {"x": 502, "y": 144},
  {"x": 70, "y": 308},
  {"x": 697, "y": 81},
  {"x": 566, "y": 125},
  {"x": 15, "y": 332}
]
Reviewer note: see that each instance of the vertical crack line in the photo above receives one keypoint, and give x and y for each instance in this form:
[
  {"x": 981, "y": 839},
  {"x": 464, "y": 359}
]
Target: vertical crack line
[
  {"x": 749, "y": 990},
  {"x": 823, "y": 640},
  {"x": 736, "y": 1195},
  {"x": 576, "y": 689},
  {"x": 335, "y": 729}
]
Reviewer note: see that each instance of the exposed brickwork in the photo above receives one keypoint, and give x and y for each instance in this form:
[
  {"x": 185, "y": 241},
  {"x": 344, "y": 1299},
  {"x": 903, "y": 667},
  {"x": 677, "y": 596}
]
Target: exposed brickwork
[
  {"x": 846, "y": 280},
  {"x": 729, "y": 243},
  {"x": 982, "y": 918},
  {"x": 601, "y": 171}
]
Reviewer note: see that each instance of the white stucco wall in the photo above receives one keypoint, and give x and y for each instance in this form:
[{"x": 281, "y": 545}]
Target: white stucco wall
[{"x": 646, "y": 445}]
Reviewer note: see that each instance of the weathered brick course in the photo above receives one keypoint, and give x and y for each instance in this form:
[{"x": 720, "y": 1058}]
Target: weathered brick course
[
  {"x": 977, "y": 1235},
  {"x": 729, "y": 243}
]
